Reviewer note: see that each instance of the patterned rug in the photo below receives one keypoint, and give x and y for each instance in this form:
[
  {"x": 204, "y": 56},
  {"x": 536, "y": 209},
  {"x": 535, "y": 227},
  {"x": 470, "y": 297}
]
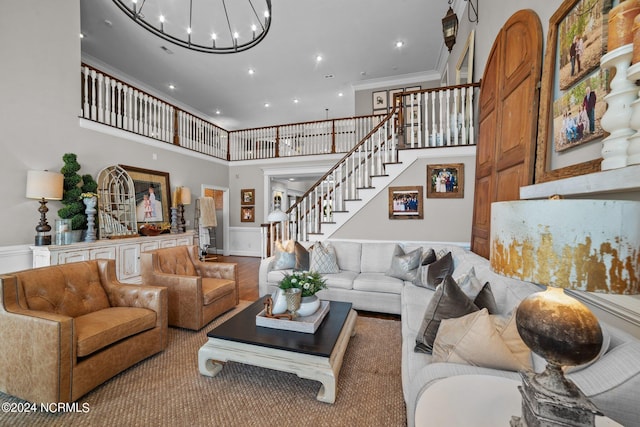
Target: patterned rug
[{"x": 168, "y": 390}]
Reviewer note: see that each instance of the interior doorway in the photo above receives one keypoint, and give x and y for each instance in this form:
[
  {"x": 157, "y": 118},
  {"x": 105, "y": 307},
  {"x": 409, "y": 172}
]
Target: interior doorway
[{"x": 219, "y": 235}]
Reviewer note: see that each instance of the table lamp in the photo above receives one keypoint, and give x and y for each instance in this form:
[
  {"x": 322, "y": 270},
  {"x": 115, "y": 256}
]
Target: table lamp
[
  {"x": 184, "y": 198},
  {"x": 44, "y": 185},
  {"x": 576, "y": 244}
]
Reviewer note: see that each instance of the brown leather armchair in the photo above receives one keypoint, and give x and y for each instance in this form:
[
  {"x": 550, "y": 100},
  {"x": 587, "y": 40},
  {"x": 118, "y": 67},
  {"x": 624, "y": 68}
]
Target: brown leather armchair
[
  {"x": 198, "y": 291},
  {"x": 66, "y": 329}
]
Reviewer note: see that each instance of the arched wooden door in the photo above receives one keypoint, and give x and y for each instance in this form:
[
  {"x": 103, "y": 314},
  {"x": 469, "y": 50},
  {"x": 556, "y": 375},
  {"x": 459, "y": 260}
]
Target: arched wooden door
[{"x": 508, "y": 116}]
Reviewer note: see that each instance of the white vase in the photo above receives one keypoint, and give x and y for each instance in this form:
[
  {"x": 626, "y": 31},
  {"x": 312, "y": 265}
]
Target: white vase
[
  {"x": 279, "y": 302},
  {"x": 309, "y": 305}
]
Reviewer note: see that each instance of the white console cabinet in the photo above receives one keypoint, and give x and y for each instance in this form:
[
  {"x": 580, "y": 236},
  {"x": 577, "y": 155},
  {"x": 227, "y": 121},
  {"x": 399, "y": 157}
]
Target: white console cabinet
[{"x": 125, "y": 251}]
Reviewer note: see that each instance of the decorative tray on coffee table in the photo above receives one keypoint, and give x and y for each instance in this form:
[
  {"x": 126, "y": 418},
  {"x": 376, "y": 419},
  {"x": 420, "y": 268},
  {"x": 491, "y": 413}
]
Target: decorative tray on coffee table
[{"x": 305, "y": 324}]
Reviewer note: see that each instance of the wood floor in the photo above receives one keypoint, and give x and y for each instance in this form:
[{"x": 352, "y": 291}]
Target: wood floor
[
  {"x": 248, "y": 268},
  {"x": 247, "y": 275}
]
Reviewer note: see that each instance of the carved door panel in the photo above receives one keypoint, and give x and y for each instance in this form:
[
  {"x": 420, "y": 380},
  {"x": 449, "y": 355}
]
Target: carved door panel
[{"x": 508, "y": 116}]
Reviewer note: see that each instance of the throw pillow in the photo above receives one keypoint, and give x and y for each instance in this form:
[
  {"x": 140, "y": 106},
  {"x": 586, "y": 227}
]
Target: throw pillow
[
  {"x": 431, "y": 275},
  {"x": 508, "y": 330},
  {"x": 323, "y": 259},
  {"x": 285, "y": 258},
  {"x": 447, "y": 302},
  {"x": 469, "y": 283},
  {"x": 485, "y": 299},
  {"x": 428, "y": 257},
  {"x": 405, "y": 266},
  {"x": 302, "y": 258},
  {"x": 473, "y": 340}
]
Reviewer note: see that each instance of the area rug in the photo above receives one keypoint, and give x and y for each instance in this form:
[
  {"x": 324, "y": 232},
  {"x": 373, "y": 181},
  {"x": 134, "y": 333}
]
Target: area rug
[{"x": 168, "y": 390}]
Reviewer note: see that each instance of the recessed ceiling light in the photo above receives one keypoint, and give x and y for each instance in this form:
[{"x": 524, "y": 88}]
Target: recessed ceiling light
[
  {"x": 108, "y": 23},
  {"x": 251, "y": 71},
  {"x": 267, "y": 105},
  {"x": 318, "y": 58},
  {"x": 81, "y": 35},
  {"x": 171, "y": 86},
  {"x": 296, "y": 100},
  {"x": 399, "y": 43},
  {"x": 218, "y": 112},
  {"x": 340, "y": 94}
]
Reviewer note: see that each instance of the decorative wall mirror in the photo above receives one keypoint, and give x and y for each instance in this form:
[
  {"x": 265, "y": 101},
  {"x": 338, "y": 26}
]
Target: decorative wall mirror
[
  {"x": 116, "y": 204},
  {"x": 464, "y": 68}
]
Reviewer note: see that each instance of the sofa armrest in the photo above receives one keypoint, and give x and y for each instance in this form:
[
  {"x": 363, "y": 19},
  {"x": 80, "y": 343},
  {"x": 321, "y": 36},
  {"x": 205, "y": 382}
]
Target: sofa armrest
[
  {"x": 37, "y": 351},
  {"x": 266, "y": 265},
  {"x": 125, "y": 295}
]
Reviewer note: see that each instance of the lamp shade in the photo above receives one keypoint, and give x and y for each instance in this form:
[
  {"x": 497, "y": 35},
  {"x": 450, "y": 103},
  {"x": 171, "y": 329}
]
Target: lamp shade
[
  {"x": 587, "y": 245},
  {"x": 277, "y": 216},
  {"x": 185, "y": 196},
  {"x": 44, "y": 185}
]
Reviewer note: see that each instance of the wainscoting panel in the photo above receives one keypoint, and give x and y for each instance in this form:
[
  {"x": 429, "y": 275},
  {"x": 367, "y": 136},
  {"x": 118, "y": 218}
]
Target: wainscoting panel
[
  {"x": 15, "y": 258},
  {"x": 244, "y": 241}
]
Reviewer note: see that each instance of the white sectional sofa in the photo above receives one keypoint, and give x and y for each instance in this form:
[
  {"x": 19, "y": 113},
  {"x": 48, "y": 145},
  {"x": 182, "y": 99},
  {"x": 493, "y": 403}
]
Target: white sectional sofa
[{"x": 611, "y": 382}]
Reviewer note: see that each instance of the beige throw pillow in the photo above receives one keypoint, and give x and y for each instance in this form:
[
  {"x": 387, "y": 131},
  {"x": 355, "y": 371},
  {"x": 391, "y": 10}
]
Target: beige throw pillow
[{"x": 474, "y": 340}]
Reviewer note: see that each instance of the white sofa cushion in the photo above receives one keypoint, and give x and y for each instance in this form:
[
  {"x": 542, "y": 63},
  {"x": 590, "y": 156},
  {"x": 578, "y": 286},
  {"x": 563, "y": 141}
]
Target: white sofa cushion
[
  {"x": 342, "y": 280},
  {"x": 376, "y": 257},
  {"x": 348, "y": 254},
  {"x": 377, "y": 282}
]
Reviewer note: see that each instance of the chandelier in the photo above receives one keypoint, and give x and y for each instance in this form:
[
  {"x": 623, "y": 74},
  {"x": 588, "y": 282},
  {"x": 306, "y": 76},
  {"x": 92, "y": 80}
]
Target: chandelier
[{"x": 212, "y": 26}]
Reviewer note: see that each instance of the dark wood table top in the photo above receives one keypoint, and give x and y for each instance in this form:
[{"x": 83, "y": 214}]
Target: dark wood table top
[{"x": 242, "y": 328}]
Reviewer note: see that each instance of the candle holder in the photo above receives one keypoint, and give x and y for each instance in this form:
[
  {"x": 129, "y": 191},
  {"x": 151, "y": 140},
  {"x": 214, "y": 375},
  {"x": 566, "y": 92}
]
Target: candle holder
[{"x": 174, "y": 219}]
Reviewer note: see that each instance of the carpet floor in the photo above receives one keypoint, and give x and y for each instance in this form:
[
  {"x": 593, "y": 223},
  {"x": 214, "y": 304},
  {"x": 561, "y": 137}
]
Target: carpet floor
[{"x": 168, "y": 390}]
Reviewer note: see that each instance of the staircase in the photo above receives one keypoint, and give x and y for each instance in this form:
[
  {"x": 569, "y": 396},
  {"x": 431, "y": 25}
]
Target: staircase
[{"x": 441, "y": 117}]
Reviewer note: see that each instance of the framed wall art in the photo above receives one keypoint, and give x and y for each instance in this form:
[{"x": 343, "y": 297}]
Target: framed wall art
[
  {"x": 445, "y": 181},
  {"x": 406, "y": 202},
  {"x": 247, "y": 196},
  {"x": 379, "y": 100},
  {"x": 573, "y": 87},
  {"x": 152, "y": 194},
  {"x": 247, "y": 214},
  {"x": 392, "y": 95}
]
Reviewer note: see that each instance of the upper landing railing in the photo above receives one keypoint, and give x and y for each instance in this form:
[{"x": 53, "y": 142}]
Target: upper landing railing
[{"x": 428, "y": 118}]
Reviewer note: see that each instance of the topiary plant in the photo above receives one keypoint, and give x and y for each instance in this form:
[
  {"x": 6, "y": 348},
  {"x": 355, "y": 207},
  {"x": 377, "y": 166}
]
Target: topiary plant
[{"x": 74, "y": 185}]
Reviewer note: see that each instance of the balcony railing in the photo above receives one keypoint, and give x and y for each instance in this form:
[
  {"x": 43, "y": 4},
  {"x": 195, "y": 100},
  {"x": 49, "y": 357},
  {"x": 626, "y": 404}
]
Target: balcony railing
[{"x": 426, "y": 118}]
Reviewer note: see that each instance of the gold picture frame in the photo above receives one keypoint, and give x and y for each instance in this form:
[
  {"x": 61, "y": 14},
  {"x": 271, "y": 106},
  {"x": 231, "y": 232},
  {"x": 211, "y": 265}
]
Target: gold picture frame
[
  {"x": 445, "y": 181},
  {"x": 406, "y": 202},
  {"x": 247, "y": 214},
  {"x": 558, "y": 33},
  {"x": 152, "y": 194},
  {"x": 247, "y": 196}
]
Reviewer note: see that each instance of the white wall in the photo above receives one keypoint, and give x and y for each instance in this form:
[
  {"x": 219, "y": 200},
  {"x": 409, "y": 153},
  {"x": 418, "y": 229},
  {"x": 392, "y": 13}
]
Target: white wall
[
  {"x": 445, "y": 220},
  {"x": 39, "y": 83}
]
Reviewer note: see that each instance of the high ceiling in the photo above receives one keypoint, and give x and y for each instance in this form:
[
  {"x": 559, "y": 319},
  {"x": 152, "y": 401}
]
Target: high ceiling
[{"x": 356, "y": 39}]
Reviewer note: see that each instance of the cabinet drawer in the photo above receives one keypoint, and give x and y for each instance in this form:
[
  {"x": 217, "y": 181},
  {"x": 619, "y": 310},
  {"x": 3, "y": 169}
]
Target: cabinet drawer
[{"x": 73, "y": 256}]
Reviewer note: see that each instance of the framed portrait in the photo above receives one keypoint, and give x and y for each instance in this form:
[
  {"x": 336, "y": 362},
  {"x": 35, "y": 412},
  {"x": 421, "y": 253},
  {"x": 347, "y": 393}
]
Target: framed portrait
[
  {"x": 411, "y": 100},
  {"x": 379, "y": 100},
  {"x": 412, "y": 115},
  {"x": 578, "y": 110},
  {"x": 392, "y": 95},
  {"x": 247, "y": 214},
  {"x": 247, "y": 196},
  {"x": 405, "y": 202},
  {"x": 576, "y": 41},
  {"x": 152, "y": 194},
  {"x": 445, "y": 181}
]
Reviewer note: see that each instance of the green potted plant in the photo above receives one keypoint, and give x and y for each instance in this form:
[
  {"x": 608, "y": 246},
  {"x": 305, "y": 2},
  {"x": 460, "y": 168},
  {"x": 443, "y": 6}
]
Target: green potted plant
[
  {"x": 74, "y": 186},
  {"x": 309, "y": 282}
]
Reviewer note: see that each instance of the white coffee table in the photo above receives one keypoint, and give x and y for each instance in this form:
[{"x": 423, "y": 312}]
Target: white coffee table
[
  {"x": 315, "y": 356},
  {"x": 474, "y": 401}
]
